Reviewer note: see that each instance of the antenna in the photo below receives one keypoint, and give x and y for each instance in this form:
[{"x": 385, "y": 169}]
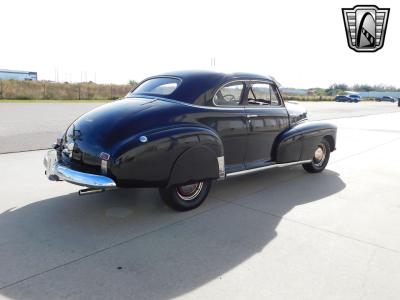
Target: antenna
[{"x": 213, "y": 62}]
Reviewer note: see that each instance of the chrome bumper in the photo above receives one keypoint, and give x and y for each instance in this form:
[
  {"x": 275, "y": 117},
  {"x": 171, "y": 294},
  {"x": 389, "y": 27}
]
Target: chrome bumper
[{"x": 55, "y": 171}]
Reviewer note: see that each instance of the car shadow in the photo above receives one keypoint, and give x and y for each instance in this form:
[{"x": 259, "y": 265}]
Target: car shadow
[{"x": 111, "y": 230}]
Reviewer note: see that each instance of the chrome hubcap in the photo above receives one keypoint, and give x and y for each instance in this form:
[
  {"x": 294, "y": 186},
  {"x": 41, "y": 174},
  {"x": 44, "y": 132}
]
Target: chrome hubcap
[
  {"x": 190, "y": 191},
  {"x": 319, "y": 156}
]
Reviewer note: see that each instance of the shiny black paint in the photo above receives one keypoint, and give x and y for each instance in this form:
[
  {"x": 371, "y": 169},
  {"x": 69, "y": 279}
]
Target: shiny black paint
[
  {"x": 199, "y": 158},
  {"x": 186, "y": 133},
  {"x": 151, "y": 163},
  {"x": 262, "y": 131},
  {"x": 300, "y": 141}
]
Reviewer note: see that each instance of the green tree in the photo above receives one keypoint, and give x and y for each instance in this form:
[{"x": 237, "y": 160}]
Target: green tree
[
  {"x": 133, "y": 83},
  {"x": 337, "y": 89}
]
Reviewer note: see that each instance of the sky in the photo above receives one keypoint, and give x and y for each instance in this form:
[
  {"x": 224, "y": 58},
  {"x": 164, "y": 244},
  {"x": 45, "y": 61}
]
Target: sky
[{"x": 300, "y": 43}]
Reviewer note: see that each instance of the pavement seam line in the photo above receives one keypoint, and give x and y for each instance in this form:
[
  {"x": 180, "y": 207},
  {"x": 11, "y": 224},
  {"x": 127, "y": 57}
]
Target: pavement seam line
[
  {"x": 367, "y": 269},
  {"x": 24, "y": 151},
  {"x": 317, "y": 228},
  {"x": 222, "y": 203},
  {"x": 371, "y": 129},
  {"x": 358, "y": 116},
  {"x": 364, "y": 151}
]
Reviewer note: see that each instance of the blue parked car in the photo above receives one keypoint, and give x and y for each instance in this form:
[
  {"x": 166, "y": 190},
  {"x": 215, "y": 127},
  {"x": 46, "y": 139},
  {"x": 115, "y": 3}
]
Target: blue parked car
[
  {"x": 355, "y": 98},
  {"x": 348, "y": 98},
  {"x": 342, "y": 98}
]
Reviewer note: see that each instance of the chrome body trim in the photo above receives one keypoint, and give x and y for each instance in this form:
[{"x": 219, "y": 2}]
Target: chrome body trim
[
  {"x": 272, "y": 166},
  {"x": 242, "y": 82},
  {"x": 221, "y": 167},
  {"x": 104, "y": 167},
  {"x": 56, "y": 171}
]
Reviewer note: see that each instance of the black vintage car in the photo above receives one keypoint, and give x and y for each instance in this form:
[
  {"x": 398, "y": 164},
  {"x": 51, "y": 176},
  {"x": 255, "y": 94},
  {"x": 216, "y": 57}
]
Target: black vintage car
[{"x": 180, "y": 131}]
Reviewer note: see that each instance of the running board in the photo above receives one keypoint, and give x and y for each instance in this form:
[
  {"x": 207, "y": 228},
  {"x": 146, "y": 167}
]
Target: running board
[{"x": 272, "y": 166}]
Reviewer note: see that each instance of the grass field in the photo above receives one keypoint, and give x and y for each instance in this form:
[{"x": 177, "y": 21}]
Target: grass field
[{"x": 31, "y": 90}]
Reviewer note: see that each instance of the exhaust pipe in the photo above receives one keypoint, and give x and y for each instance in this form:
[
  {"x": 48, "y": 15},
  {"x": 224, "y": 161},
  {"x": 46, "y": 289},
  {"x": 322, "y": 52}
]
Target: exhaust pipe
[{"x": 89, "y": 191}]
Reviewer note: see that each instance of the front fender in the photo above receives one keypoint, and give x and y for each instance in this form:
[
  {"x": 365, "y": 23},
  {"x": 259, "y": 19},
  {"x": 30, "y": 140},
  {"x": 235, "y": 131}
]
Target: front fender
[
  {"x": 299, "y": 142},
  {"x": 151, "y": 163}
]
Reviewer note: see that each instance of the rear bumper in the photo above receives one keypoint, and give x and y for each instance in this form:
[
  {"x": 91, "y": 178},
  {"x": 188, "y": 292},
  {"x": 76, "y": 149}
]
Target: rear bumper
[{"x": 56, "y": 172}]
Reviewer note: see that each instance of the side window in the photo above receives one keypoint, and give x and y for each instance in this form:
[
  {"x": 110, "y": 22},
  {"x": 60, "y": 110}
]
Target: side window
[
  {"x": 263, "y": 94},
  {"x": 229, "y": 95}
]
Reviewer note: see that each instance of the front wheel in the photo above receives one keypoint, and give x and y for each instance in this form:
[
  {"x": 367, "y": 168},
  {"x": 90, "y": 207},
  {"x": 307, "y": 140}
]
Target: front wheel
[
  {"x": 186, "y": 197},
  {"x": 320, "y": 159}
]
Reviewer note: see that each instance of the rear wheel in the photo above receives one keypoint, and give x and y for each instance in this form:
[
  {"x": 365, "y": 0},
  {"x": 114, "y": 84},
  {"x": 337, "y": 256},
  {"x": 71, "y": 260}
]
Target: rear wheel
[
  {"x": 320, "y": 159},
  {"x": 186, "y": 197}
]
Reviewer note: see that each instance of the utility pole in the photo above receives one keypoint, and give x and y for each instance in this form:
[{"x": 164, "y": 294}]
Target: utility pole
[{"x": 44, "y": 91}]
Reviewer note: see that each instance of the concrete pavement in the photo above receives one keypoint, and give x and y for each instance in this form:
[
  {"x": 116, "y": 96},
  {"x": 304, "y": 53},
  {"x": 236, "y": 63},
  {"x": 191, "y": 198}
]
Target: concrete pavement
[{"x": 280, "y": 234}]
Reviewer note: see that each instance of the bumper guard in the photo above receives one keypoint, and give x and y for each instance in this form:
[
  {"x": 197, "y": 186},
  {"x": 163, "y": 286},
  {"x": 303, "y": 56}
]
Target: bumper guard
[{"x": 56, "y": 171}]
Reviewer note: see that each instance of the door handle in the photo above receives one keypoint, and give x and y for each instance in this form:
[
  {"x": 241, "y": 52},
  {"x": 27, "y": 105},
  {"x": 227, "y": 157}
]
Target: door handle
[{"x": 252, "y": 116}]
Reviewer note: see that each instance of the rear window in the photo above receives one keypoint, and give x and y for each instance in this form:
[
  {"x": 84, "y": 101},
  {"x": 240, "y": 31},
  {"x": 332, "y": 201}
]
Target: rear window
[{"x": 157, "y": 86}]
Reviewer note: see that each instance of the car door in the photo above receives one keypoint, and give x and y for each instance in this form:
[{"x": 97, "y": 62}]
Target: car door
[
  {"x": 228, "y": 118},
  {"x": 266, "y": 118}
]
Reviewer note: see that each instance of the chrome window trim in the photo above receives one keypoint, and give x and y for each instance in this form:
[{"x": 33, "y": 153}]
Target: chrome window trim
[
  {"x": 131, "y": 95},
  {"x": 272, "y": 84},
  {"x": 243, "y": 82}
]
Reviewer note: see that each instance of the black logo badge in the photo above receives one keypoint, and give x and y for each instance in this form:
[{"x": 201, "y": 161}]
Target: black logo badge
[{"x": 365, "y": 27}]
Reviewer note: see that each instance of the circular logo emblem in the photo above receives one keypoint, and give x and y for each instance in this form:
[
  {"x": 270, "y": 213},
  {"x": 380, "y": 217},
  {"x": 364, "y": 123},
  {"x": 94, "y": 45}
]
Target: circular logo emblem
[{"x": 143, "y": 139}]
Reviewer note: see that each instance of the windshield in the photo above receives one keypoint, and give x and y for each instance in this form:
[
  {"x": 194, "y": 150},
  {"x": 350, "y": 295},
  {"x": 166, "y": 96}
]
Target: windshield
[{"x": 157, "y": 86}]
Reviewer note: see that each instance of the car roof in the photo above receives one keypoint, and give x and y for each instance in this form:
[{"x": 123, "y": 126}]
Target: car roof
[
  {"x": 201, "y": 74},
  {"x": 196, "y": 83}
]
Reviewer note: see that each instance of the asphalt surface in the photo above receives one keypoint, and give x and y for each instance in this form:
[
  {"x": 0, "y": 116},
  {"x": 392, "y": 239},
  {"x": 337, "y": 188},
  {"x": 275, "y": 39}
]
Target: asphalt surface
[
  {"x": 31, "y": 126},
  {"x": 279, "y": 234}
]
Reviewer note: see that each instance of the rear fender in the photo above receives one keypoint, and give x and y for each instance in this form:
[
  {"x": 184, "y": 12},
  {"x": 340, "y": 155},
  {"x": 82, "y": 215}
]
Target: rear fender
[
  {"x": 193, "y": 165},
  {"x": 300, "y": 141},
  {"x": 152, "y": 163}
]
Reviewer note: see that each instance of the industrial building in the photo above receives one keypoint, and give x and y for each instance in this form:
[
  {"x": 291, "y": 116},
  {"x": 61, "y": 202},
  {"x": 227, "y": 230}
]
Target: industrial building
[{"x": 17, "y": 75}]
